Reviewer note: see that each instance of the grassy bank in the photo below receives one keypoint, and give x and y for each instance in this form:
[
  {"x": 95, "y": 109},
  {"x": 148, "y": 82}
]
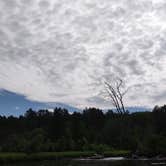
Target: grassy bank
[{"x": 14, "y": 157}]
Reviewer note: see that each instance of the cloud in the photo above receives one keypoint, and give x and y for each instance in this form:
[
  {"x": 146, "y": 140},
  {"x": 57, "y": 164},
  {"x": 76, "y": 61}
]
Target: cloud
[
  {"x": 17, "y": 108},
  {"x": 60, "y": 51}
]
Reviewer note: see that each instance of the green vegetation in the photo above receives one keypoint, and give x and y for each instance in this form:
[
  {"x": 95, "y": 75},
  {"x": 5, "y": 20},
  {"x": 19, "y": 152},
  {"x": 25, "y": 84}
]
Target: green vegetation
[
  {"x": 85, "y": 133},
  {"x": 55, "y": 155},
  {"x": 15, "y": 157},
  {"x": 12, "y": 157}
]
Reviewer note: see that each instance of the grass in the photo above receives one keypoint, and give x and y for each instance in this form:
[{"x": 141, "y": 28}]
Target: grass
[
  {"x": 11, "y": 157},
  {"x": 55, "y": 155},
  {"x": 15, "y": 157}
]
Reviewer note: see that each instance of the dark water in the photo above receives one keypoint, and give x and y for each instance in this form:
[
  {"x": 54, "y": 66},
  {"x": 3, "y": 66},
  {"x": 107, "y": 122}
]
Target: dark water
[{"x": 90, "y": 163}]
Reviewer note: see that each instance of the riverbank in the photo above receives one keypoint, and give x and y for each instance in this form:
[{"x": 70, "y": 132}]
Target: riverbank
[{"x": 16, "y": 157}]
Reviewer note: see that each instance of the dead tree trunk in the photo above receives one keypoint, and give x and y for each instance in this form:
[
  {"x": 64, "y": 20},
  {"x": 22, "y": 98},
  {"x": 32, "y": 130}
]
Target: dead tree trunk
[{"x": 116, "y": 95}]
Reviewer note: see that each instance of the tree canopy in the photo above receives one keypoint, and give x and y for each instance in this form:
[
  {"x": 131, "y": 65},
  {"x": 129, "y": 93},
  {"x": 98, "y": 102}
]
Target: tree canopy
[{"x": 91, "y": 129}]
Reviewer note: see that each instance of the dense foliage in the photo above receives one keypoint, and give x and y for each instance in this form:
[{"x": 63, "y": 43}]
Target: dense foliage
[{"x": 141, "y": 132}]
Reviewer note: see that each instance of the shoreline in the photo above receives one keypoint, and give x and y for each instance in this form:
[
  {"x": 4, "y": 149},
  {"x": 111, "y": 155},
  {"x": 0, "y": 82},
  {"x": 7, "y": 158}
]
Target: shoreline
[
  {"x": 8, "y": 157},
  {"x": 114, "y": 155}
]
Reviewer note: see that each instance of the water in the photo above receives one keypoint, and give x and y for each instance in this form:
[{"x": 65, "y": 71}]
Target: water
[{"x": 91, "y": 163}]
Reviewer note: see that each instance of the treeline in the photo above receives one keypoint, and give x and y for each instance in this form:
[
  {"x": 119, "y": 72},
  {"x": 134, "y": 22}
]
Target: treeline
[{"x": 92, "y": 129}]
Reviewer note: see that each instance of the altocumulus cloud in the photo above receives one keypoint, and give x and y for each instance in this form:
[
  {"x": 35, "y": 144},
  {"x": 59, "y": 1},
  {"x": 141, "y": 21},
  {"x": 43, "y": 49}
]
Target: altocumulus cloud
[{"x": 62, "y": 50}]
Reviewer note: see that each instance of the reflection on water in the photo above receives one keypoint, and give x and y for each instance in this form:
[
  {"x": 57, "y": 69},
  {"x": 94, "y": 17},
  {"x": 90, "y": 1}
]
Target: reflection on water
[
  {"x": 41, "y": 163},
  {"x": 114, "y": 163},
  {"x": 89, "y": 163}
]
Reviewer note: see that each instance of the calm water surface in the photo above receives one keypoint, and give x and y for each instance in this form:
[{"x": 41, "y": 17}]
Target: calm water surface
[{"x": 90, "y": 163}]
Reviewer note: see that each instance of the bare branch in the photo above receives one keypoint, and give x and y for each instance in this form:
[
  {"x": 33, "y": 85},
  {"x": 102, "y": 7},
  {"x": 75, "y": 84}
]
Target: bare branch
[
  {"x": 114, "y": 97},
  {"x": 116, "y": 94},
  {"x": 126, "y": 91}
]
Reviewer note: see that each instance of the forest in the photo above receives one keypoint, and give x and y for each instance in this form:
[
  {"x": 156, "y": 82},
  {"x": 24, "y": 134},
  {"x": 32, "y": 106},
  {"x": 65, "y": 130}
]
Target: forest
[{"x": 89, "y": 130}]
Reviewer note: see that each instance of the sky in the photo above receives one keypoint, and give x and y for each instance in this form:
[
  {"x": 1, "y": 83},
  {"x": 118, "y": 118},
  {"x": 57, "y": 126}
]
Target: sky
[
  {"x": 12, "y": 104},
  {"x": 63, "y": 50}
]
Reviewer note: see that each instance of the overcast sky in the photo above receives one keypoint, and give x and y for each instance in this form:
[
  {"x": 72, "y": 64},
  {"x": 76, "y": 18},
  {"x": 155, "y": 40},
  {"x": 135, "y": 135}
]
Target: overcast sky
[{"x": 63, "y": 50}]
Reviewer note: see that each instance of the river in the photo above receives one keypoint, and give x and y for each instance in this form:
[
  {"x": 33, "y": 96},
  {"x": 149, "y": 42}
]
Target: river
[{"x": 91, "y": 163}]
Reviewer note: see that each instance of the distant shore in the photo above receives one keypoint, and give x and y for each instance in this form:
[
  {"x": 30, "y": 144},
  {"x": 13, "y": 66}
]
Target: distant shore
[{"x": 16, "y": 157}]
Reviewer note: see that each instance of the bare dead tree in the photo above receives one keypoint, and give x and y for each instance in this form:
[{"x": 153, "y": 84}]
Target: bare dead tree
[{"x": 116, "y": 93}]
